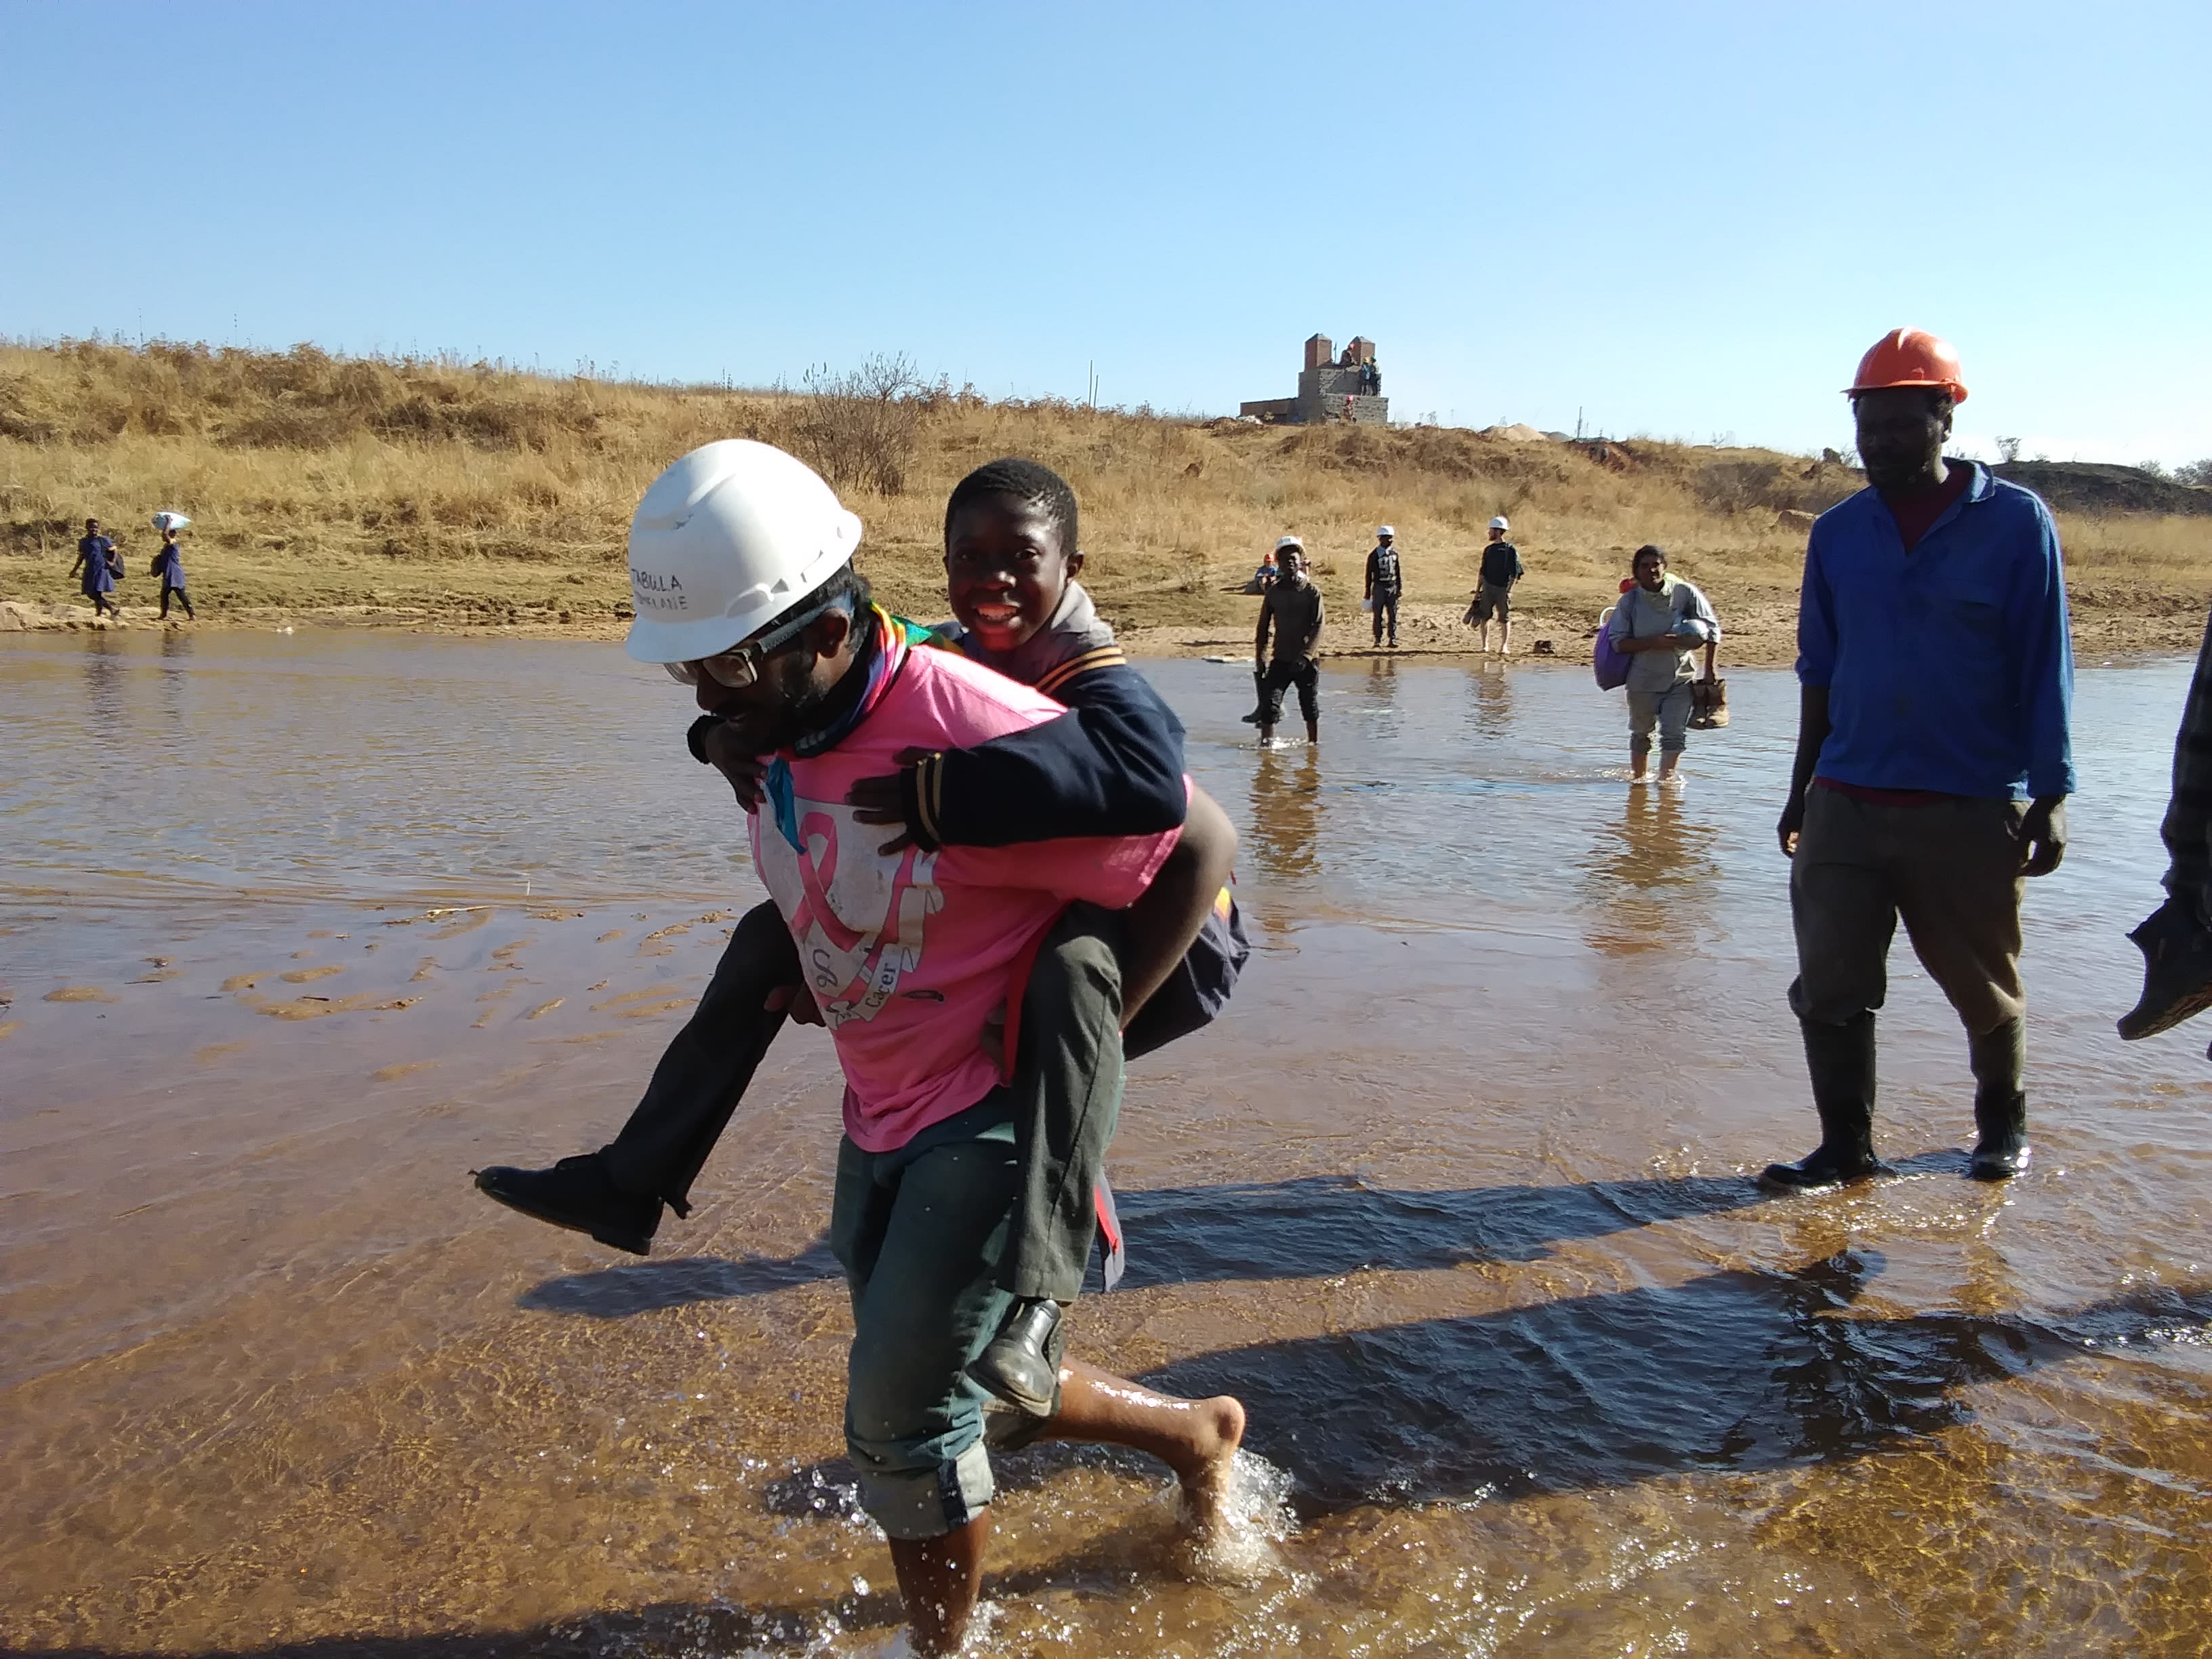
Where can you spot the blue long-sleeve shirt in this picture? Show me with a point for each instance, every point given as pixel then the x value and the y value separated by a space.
pixel 1948 668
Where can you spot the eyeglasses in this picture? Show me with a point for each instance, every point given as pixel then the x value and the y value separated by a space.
pixel 734 669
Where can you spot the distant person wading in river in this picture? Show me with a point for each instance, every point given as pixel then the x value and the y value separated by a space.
pixel 1292 610
pixel 1934 756
pixel 1659 622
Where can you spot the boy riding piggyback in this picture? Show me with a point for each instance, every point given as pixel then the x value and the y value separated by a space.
pixel 1110 765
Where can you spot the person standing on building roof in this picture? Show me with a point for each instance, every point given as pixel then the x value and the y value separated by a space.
pixel 1385 581
pixel 1294 610
pixel 1934 756
pixel 96 554
pixel 1501 568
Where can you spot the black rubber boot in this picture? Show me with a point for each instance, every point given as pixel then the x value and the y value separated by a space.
pixel 2000 1105
pixel 2176 951
pixel 1017 1367
pixel 577 1194
pixel 1840 1059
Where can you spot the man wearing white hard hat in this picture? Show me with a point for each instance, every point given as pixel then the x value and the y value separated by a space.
pixel 1293 611
pixel 1501 568
pixel 1385 581
pixel 740 567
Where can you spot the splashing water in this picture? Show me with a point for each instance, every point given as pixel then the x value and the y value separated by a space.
pixel 1255 1517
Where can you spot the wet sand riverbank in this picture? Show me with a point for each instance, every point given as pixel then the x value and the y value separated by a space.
pixel 295 931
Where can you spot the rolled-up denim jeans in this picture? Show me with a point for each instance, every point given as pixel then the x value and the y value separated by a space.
pixel 921 1233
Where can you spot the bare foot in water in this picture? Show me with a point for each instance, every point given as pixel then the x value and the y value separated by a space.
pixel 1207 1472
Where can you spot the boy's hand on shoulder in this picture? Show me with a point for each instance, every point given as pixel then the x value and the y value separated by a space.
pixel 883 800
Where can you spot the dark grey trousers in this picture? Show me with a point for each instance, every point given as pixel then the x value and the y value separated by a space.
pixel 1067 1088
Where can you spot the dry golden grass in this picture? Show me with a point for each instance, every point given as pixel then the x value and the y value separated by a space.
pixel 443 494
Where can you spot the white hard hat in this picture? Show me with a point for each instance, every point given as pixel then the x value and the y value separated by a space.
pixel 1498 523
pixel 1384 530
pixel 729 538
pixel 1290 541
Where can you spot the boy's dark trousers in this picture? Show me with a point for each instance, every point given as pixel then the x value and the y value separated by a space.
pixel 1067 1085
pixel 1282 674
pixel 699 1080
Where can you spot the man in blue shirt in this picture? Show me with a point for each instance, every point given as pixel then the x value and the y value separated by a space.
pixel 1933 755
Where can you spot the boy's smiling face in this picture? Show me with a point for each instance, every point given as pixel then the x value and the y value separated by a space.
pixel 1004 569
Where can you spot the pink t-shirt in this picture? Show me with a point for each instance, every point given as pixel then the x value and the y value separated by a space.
pixel 910 955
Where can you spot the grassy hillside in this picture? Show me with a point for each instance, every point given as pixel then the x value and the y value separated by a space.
pixel 439 493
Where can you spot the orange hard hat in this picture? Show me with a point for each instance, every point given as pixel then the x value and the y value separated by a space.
pixel 1909 357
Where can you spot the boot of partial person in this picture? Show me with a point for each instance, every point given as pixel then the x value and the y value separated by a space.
pixel 1840 1060
pixel 2176 951
pixel 577 1194
pixel 2000 1103
pixel 1017 1366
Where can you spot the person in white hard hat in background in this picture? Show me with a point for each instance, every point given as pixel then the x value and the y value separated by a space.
pixel 1501 568
pixel 740 561
pixel 1385 582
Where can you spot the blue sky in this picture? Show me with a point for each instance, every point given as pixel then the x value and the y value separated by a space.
pixel 1683 220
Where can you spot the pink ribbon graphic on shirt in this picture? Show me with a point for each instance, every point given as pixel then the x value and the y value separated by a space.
pixel 814 909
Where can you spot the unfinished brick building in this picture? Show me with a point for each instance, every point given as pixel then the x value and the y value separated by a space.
pixel 1330 388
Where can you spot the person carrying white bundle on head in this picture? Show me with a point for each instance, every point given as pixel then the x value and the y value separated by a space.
pixel 1659 622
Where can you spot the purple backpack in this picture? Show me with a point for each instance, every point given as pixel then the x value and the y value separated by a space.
pixel 1608 661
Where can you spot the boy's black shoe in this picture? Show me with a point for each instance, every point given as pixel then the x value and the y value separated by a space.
pixel 1016 1367
pixel 2177 971
pixel 577 1194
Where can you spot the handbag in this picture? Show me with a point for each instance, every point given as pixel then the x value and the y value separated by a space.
pixel 1608 661
pixel 1709 710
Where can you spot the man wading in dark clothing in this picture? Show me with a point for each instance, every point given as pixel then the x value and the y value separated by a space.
pixel 1384 583
pixel 1293 608
pixel 1932 757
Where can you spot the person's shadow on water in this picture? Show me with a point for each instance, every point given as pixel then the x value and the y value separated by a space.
pixel 1739 1370
pixel 1316 1227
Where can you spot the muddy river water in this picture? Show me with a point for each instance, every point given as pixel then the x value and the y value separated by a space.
pixel 295 931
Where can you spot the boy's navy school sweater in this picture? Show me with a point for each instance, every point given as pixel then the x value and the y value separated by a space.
pixel 1113 765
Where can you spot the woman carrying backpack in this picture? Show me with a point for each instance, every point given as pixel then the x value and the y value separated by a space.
pixel 1660 621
